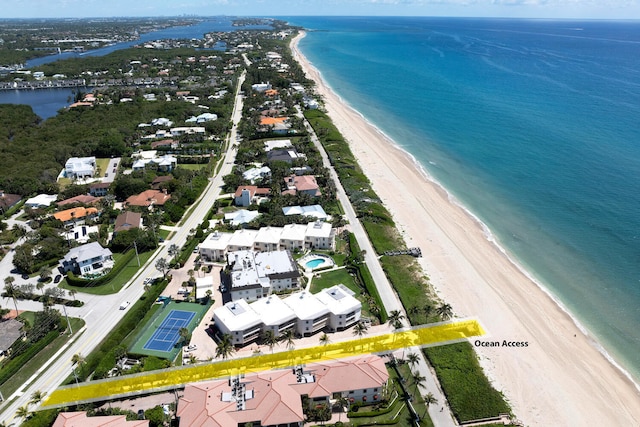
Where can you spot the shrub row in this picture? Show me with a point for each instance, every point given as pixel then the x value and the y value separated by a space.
pixel 73 280
pixel 15 364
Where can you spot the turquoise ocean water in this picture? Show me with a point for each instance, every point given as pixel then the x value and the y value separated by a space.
pixel 534 125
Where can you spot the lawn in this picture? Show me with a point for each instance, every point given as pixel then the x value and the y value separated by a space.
pixel 193 166
pixel 329 278
pixel 118 282
pixel 21 377
pixel 102 165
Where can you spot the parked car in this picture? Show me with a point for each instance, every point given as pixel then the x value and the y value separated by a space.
pixel 25 276
pixel 141 414
pixel 191 347
pixel 124 305
pixel 57 279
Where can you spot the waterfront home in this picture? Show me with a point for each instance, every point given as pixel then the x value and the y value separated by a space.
pixel 284 155
pixel 315 211
pixel 344 308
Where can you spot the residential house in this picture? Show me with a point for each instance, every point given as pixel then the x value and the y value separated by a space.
pixel 127 221
pixel 76 216
pixel 165 163
pixel 10 331
pixel 276 144
pixel 80 167
pixel 41 201
pixel 276 125
pixel 148 198
pixel 186 130
pixel 85 199
pixel 202 118
pixel 214 247
pixel 254 174
pixel 288 156
pixel 304 184
pixel 7 201
pixel 157 182
pixel 75 419
pixel 90 258
pixel 81 233
pixel 241 216
pixel 261 87
pixel 247 195
pixel 315 211
pixel 99 189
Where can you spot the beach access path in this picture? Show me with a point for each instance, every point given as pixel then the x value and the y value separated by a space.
pixel 561 377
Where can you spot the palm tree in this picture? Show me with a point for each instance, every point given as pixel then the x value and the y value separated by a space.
pixel 429 399
pixel 40 286
pixel 360 329
pixel 192 279
pixel 11 291
pixel 324 339
pixel 184 335
pixel 45 274
pixel 270 339
pixel 418 380
pixel 341 402
pixel 395 319
pixel 23 412
pixel 427 310
pixel 192 359
pixel 288 336
pixel 73 293
pixel 445 311
pixel 413 359
pixel 77 359
pixel 36 397
pixel 225 347
pixel 173 251
pixel 162 266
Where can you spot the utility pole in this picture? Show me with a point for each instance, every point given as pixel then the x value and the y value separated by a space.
pixel 135 245
pixel 64 308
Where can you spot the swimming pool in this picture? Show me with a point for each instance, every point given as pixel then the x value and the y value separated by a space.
pixel 312 262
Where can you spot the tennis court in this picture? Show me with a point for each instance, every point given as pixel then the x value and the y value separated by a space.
pixel 161 332
pixel 167 334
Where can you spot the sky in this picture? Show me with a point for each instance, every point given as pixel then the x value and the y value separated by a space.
pixel 577 9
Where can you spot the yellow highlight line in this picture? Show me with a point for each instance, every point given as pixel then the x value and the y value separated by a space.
pixel 422 336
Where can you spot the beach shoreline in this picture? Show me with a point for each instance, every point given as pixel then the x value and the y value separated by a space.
pixel 563 376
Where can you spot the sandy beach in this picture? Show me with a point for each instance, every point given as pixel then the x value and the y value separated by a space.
pixel 560 378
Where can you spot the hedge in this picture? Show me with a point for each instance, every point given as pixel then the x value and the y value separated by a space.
pixel 15 364
pixel 117 268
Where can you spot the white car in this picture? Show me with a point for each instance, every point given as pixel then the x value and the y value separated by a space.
pixel 191 347
pixel 124 305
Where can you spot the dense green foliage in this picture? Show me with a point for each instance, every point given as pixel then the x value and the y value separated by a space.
pixel 468 391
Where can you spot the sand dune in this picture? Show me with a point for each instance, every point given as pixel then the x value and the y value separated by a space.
pixel 560 378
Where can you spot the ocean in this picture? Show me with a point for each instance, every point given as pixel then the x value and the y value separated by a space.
pixel 531 124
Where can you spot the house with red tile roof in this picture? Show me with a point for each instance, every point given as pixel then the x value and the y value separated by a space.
pixel 127 221
pixel 304 184
pixel 77 419
pixel 75 216
pixel 274 398
pixel 148 198
pixel 85 199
